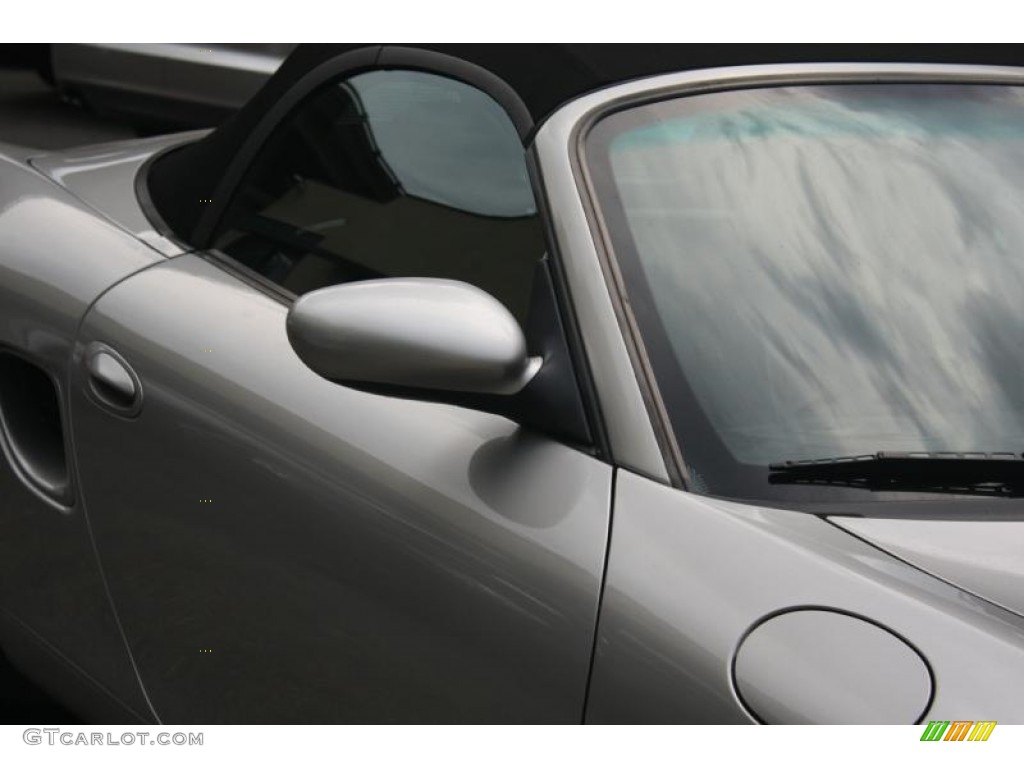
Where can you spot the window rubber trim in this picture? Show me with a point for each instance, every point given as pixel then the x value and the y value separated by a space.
pixel 248 276
pixel 665 438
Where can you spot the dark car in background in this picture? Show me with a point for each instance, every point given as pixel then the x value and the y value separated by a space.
pixel 162 85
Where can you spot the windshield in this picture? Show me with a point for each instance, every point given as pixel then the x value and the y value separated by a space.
pixel 823 271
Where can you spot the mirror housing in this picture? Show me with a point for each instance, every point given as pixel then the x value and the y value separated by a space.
pixel 412 333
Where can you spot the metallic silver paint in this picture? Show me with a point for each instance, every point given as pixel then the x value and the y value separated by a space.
pixel 689 576
pixel 424 333
pixel 837 667
pixel 112 382
pixel 56 258
pixel 984 557
pixel 103 176
pixel 360 558
pixel 16 153
pixel 104 368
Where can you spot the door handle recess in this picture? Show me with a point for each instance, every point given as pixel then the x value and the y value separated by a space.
pixel 32 428
pixel 112 382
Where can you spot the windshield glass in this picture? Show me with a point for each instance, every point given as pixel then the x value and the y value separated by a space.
pixel 823 271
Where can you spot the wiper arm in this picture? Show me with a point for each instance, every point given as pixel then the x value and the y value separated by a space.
pixel 944 470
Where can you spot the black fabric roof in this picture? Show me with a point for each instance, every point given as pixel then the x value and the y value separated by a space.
pixel 543 77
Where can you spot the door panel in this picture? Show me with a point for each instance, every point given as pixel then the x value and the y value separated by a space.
pixel 284 549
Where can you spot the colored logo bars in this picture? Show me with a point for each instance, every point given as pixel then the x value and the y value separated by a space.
pixel 958 730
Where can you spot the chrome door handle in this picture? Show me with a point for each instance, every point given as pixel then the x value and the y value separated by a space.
pixel 112 382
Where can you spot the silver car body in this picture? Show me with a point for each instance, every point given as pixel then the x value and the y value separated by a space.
pixel 265 545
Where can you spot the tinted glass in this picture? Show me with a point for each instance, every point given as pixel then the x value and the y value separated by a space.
pixel 824 271
pixel 389 174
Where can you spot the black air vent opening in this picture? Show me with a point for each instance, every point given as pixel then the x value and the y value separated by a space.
pixel 30 417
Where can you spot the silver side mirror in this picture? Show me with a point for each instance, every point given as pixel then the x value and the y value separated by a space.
pixel 417 333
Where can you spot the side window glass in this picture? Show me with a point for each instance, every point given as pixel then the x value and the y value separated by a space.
pixel 390 174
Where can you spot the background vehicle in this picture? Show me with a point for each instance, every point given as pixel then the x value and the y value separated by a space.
pixel 381 401
pixel 169 85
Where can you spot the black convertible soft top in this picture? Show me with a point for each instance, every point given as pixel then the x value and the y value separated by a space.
pixel 537 78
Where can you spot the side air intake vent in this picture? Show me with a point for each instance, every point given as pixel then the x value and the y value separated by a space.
pixel 31 429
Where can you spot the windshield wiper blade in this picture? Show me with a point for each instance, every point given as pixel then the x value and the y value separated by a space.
pixel 907 470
